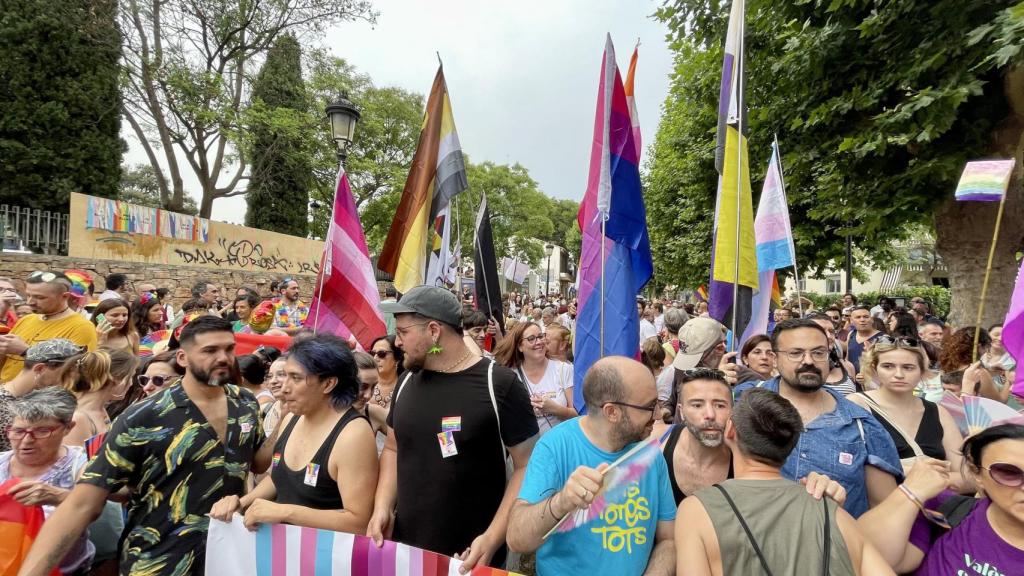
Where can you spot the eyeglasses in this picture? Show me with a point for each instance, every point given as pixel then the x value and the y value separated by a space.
pixel 401 331
pixel 900 341
pixel 382 354
pixel 7 289
pixel 649 408
pixel 796 354
pixel 534 338
pixel 1006 474
pixel 36 433
pixel 158 381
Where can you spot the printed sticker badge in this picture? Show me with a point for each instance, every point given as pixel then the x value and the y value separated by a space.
pixel 312 470
pixel 845 458
pixel 447 442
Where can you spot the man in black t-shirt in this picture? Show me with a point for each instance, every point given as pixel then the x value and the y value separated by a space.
pixel 442 480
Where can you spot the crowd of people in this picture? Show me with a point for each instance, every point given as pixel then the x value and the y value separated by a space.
pixel 817 447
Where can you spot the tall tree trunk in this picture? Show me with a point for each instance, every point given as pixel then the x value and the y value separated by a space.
pixel 964 229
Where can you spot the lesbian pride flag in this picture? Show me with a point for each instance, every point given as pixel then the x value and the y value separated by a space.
pixel 283 550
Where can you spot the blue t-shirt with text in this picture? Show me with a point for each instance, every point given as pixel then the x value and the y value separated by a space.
pixel 621 540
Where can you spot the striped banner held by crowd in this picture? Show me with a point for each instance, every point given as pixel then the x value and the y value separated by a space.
pixel 283 550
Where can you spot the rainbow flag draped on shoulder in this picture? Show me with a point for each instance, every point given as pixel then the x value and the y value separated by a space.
pixel 734 197
pixel 437 174
pixel 621 251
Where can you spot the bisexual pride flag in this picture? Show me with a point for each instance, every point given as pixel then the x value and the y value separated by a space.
pixel 283 550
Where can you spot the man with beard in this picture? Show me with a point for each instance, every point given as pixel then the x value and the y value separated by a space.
pixel 695 452
pixel 290 313
pixel 840 439
pixel 178 452
pixel 565 474
pixel 442 482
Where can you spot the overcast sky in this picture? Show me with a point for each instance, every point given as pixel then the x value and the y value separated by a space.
pixel 522 75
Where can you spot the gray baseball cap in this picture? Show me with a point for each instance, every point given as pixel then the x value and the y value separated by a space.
pixel 53 350
pixel 430 302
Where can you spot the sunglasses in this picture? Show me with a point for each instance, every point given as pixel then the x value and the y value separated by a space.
pixel 1005 474
pixel 889 340
pixel 158 381
pixel 42 276
pixel 382 354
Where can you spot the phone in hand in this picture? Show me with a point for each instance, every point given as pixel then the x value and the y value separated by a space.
pixel 100 319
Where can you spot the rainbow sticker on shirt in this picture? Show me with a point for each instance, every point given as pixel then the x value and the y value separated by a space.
pixel 276 460
pixel 451 424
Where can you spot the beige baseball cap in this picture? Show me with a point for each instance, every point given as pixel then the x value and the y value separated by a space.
pixel 696 337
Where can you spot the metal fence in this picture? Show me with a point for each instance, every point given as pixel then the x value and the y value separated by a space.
pixel 28 230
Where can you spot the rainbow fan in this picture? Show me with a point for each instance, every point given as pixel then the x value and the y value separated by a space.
pixel 149 341
pixel 617 477
pixel 973 414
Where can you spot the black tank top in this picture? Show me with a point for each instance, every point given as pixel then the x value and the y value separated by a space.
pixel 291 485
pixel 928 437
pixel 668 451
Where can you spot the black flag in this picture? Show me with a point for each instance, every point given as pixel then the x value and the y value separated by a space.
pixel 485 264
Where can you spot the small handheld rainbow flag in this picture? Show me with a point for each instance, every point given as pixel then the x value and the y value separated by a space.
pixel 985 180
pixel 973 414
pixel 702 293
pixel 617 477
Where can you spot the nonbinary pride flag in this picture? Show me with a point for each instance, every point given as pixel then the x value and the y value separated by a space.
pixel 346 299
pixel 283 550
pixel 438 172
pixel 613 196
pixel 985 180
pixel 733 168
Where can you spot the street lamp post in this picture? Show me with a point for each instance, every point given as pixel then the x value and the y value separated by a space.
pixel 548 249
pixel 344 116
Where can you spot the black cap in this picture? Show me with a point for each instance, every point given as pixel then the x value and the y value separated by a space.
pixel 430 302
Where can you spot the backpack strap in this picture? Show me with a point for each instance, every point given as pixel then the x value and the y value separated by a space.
pixel 401 386
pixel 494 404
pixel 827 547
pixel 743 523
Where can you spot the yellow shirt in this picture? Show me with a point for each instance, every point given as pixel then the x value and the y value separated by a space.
pixel 33 330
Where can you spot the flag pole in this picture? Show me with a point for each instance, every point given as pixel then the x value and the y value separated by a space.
pixel 988 271
pixel 327 246
pixel 739 178
pixel 458 244
pixel 782 184
pixel 603 219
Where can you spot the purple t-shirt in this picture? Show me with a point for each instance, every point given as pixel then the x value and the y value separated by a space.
pixel 970 549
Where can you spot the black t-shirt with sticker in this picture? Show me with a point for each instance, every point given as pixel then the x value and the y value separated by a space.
pixel 444 502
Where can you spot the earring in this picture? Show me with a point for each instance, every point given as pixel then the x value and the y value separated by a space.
pixel 435 348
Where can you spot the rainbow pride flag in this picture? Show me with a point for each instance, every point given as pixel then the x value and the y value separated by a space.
pixel 283 550
pixel 985 180
pixel 19 526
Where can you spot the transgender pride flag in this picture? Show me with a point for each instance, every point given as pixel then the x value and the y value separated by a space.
pixel 282 550
pixel 774 244
pixel 607 323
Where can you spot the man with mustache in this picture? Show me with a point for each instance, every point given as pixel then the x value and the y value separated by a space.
pixel 695 451
pixel 179 452
pixel 840 439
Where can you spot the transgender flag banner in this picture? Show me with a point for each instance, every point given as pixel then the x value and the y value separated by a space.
pixel 283 550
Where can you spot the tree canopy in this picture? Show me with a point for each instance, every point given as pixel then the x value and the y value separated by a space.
pixel 877 106
pixel 59 101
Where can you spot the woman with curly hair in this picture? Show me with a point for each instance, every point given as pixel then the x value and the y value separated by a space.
pixel 148 314
pixel 956 357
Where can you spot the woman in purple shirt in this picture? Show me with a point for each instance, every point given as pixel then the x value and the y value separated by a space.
pixel 908 530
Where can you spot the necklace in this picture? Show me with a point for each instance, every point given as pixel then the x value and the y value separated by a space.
pixel 55 314
pixel 379 399
pixel 461 360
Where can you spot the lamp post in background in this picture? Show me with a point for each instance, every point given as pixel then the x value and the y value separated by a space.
pixel 344 116
pixel 548 249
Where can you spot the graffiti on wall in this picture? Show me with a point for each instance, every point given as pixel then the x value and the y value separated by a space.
pixel 244 254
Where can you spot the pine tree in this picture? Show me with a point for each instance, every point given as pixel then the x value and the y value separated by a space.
pixel 281 175
pixel 60 101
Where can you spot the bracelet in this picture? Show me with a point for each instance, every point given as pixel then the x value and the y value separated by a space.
pixel 551 507
pixel 911 496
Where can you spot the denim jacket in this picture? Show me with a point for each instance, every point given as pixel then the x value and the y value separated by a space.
pixel 839 444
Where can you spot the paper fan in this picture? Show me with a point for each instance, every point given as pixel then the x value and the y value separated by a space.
pixel 975 413
pixel 152 339
pixel 618 476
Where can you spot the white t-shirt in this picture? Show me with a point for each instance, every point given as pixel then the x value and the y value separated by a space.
pixel 557 378
pixel 647 329
pixel 664 381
